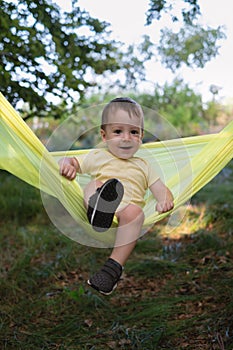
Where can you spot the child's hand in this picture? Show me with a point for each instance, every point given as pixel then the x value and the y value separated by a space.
pixel 163 196
pixel 68 167
pixel 163 207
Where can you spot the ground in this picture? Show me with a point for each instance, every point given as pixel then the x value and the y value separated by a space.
pixel 175 293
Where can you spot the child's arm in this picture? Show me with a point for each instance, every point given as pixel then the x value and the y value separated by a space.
pixel 163 196
pixel 69 167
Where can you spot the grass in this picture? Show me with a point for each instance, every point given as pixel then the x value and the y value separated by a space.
pixel 176 291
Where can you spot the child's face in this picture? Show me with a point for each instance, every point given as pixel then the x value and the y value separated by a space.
pixel 123 134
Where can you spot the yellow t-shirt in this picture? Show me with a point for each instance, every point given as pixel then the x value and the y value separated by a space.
pixel 135 173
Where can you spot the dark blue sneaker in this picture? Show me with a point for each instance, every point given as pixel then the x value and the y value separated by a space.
pixel 105 280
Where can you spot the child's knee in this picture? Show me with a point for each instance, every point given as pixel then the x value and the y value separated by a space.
pixel 131 214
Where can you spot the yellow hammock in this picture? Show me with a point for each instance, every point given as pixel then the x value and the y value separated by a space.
pixel 185 165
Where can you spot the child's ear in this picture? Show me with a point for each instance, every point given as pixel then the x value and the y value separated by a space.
pixel 103 135
pixel 142 134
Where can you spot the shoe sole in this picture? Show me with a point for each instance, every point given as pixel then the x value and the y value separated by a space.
pixel 100 291
pixel 103 204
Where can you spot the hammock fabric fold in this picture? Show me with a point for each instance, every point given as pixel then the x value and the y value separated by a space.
pixel 185 165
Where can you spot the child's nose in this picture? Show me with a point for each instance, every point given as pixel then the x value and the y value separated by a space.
pixel 126 136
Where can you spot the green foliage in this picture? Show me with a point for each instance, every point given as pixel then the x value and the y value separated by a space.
pixel 47 52
pixel 172 106
pixel 190 10
pixel 216 113
pixel 193 46
pixel 179 104
pixel 22 200
pixel 220 203
pixel 44 52
pixel 212 111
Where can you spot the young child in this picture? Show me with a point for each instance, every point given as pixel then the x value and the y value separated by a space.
pixel 119 183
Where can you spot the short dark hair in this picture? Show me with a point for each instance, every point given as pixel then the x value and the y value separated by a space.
pixel 126 104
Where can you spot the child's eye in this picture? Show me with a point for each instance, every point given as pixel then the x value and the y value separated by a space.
pixel 117 131
pixel 134 132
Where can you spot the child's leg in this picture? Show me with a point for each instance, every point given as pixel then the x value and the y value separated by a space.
pixel 130 221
